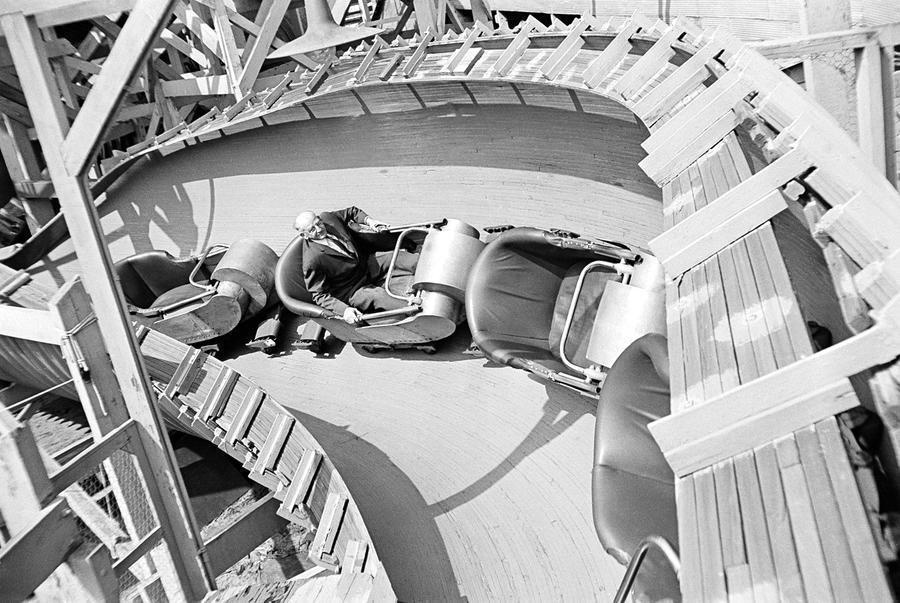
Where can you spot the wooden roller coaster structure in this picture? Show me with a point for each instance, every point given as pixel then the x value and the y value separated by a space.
pixel 757 180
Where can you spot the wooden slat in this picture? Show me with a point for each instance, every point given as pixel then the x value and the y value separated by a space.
pixel 835 547
pixel 725 355
pixel 731 532
pixel 601 67
pixel 687 77
pixel 677 381
pixel 759 553
pixel 650 63
pixel 511 54
pixel 691 344
pixel 689 539
pixel 273 445
pixel 873 586
pixel 680 151
pixel 770 302
pixel 185 372
pixel 241 422
pixel 418 55
pixel 711 104
pixel 218 394
pixel 778 520
pixel 377 44
pixel 565 51
pixel 326 532
pixel 301 482
pixel 713 570
pixel 456 58
pixel 754 309
pixel 803 524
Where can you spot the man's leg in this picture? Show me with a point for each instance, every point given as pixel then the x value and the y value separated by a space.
pixel 374 299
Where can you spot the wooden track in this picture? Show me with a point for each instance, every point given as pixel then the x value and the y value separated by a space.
pixel 727 133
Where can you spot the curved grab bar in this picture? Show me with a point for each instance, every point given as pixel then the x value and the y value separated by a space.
pixel 390 271
pixel 623 269
pixel 200 263
pixel 638 558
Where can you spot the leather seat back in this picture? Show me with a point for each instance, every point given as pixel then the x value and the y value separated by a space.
pixel 291 286
pixel 147 275
pixel 633 486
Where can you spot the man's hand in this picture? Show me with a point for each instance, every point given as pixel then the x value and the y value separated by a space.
pixel 377 224
pixel 352 316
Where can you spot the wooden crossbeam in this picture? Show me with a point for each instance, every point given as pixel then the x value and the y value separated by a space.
pixel 48 13
pixel 729 217
pixel 256 524
pixel 26 323
pixel 778 391
pixel 689 75
pixel 567 49
pixel 418 55
pixel 175 41
pixel 377 44
pixel 88 460
pixel 301 482
pixel 517 47
pixel 479 30
pixel 31 556
pixel 142 26
pixel 218 394
pixel 326 532
pixel 246 411
pixel 273 445
pixel 612 55
pixel 650 63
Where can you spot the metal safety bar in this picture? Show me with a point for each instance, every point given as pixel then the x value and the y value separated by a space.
pixel 623 269
pixel 390 272
pixel 207 289
pixel 638 558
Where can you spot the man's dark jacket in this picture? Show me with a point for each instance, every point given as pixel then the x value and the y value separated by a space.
pixel 332 277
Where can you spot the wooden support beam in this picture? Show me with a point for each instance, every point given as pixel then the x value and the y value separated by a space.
pixel 813 44
pixel 22 164
pixel 25 323
pixel 253 62
pixel 75 199
pixel 231 56
pixel 255 525
pixel 86 462
pixel 106 412
pixel 779 390
pixel 48 13
pixel 35 551
pixel 650 63
pixel 141 28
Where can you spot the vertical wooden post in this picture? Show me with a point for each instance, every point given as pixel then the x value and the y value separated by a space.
pixel 824 81
pixel 29 56
pixel 105 410
pixel 887 39
pixel 870 104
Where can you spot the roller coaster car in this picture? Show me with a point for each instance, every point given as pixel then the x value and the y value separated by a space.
pixel 203 297
pixel 633 487
pixel 434 295
pixel 561 306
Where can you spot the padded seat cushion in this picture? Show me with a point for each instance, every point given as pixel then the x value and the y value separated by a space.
pixel 633 486
pixel 146 276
